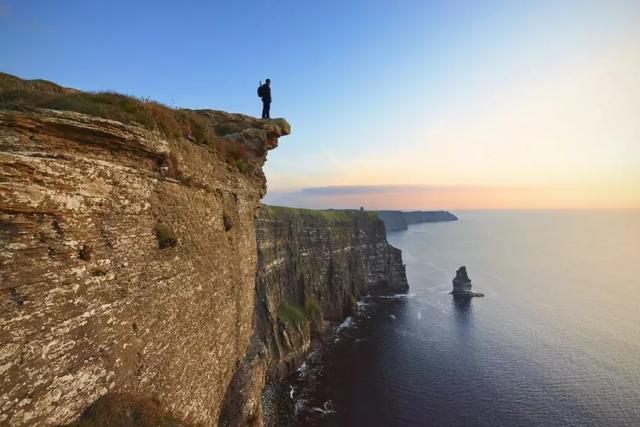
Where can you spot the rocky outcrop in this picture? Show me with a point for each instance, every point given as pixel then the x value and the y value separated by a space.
pixel 312 268
pixel 399 220
pixel 462 285
pixel 393 220
pixel 128 263
pixel 418 217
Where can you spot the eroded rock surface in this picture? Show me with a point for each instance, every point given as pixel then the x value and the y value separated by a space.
pixel 462 285
pixel 140 283
pixel 312 267
pixel 127 264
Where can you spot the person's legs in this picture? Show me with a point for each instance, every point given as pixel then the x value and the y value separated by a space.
pixel 267 106
pixel 265 110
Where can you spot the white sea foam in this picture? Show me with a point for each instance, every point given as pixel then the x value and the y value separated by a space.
pixel 396 296
pixel 302 368
pixel 327 408
pixel 364 303
pixel 348 322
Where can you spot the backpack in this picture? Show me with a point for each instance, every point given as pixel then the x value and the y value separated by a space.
pixel 261 91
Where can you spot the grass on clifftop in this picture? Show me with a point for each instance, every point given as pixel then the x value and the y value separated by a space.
pixel 25 95
pixel 328 215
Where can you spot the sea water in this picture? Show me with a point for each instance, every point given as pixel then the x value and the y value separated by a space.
pixel 555 341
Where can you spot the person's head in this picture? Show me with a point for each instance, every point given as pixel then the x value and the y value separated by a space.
pixel 268 82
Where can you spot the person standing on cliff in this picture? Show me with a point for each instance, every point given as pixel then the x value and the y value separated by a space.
pixel 264 91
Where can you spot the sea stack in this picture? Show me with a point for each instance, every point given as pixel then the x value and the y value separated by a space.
pixel 462 285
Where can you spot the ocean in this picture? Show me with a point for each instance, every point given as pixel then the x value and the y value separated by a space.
pixel 554 342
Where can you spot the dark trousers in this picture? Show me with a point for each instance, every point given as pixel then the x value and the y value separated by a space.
pixel 266 106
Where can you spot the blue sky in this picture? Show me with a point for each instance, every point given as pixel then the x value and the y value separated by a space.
pixel 371 88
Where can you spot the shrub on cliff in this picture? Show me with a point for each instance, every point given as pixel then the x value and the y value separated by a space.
pixel 237 156
pixel 291 313
pixel 314 313
pixel 312 309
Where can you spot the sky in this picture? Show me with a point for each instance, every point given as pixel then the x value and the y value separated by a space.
pixel 394 104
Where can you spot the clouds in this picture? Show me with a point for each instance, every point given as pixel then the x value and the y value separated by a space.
pixel 453 197
pixel 336 190
pixel 392 196
pixel 565 134
pixel 475 100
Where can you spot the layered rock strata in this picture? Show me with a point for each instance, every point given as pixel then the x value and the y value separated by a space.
pixel 127 263
pixel 140 283
pixel 312 267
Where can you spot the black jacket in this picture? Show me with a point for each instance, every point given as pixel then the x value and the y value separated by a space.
pixel 266 97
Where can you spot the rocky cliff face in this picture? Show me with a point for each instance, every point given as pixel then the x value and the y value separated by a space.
pixel 140 282
pixel 418 217
pixel 312 267
pixel 462 285
pixel 128 263
pixel 393 220
pixel 399 220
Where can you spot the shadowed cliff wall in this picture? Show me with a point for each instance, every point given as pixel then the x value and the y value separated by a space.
pixel 312 267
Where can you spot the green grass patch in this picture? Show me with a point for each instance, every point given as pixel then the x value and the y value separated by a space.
pixel 291 313
pixel 327 215
pixel 241 164
pixel 312 309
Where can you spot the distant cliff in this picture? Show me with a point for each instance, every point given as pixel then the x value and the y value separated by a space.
pixel 313 266
pixel 399 220
pixel 393 220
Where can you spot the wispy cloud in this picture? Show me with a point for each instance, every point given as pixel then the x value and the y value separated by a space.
pixel 392 196
pixel 384 189
pixel 568 130
pixel 450 197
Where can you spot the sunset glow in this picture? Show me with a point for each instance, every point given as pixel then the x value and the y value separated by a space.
pixel 503 104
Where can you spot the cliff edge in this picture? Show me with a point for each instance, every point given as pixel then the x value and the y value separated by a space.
pixel 127 251
pixel 142 282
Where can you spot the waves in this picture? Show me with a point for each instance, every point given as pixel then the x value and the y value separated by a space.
pixel 551 344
